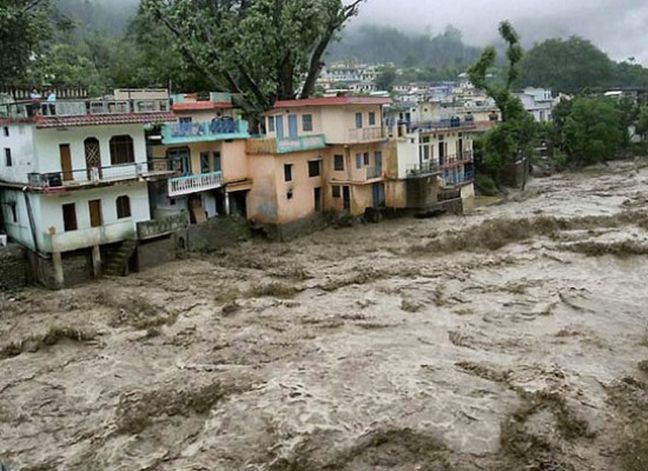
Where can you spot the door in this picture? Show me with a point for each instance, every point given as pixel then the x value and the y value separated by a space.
pixel 460 149
pixel 378 191
pixel 292 126
pixel 280 127
pixel 346 197
pixel 317 196
pixel 441 153
pixel 66 162
pixel 180 160
pixel 92 157
pixel 378 160
pixel 95 213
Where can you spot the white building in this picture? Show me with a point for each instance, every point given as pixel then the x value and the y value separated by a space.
pixel 538 102
pixel 73 181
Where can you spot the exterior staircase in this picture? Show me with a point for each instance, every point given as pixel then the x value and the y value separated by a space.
pixel 117 263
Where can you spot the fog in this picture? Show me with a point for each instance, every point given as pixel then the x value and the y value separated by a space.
pixel 616 26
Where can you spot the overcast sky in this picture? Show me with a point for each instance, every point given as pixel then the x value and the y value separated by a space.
pixel 619 27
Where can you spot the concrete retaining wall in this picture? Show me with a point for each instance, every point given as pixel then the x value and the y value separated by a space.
pixel 15 271
pixel 216 234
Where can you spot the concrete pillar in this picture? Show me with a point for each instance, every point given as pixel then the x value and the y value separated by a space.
pixel 57 261
pixel 227 204
pixel 96 261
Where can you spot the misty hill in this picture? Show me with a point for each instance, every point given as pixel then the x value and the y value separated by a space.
pixel 88 16
pixel 382 44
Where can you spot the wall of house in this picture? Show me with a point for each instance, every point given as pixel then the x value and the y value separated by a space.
pixel 302 203
pixel 450 140
pixel 351 172
pixel 396 194
pixel 361 199
pixel 47 141
pixel 50 226
pixel 21 146
pixel 262 198
pixel 339 123
pixel 200 116
pixel 315 112
pixel 404 155
pixel 19 230
pixel 234 161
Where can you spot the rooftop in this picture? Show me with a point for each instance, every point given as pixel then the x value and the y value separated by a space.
pixel 333 101
pixel 202 106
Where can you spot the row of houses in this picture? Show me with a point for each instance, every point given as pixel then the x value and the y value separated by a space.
pixel 90 187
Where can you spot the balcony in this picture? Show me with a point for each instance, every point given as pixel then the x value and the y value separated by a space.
pixel 457 159
pixel 89 237
pixel 374 172
pixel 375 133
pixel 102 107
pixel 163 226
pixel 195 183
pixel 94 176
pixel 215 130
pixel 286 145
pixel 424 169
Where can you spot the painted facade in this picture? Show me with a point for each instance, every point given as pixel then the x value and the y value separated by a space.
pixel 73 178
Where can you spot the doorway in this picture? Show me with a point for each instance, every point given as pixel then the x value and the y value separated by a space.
pixel 441 153
pixel 180 160
pixel 279 126
pixel 66 162
pixel 378 193
pixel 292 126
pixel 95 213
pixel 317 196
pixel 92 157
pixel 346 197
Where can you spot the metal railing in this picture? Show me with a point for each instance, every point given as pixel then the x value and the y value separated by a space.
pixel 102 107
pixel 374 172
pixel 194 183
pixel 87 176
pixel 366 134
pixel 429 167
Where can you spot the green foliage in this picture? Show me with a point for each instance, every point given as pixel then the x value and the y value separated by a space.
pixel 24 25
pixel 386 78
pixel 260 50
pixel 486 185
pixel 515 135
pixel 642 122
pixel 383 44
pixel 567 66
pixel 592 132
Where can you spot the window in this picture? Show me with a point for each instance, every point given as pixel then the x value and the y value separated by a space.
pixel 8 161
pixel 289 195
pixel 123 207
pixel 121 150
pixel 365 158
pixel 317 198
pixel 271 124
pixel 358 120
pixel 372 119
pixel 95 213
pixel 69 217
pixel 288 173
pixel 314 168
pixel 336 191
pixel 186 120
pixel 358 160
pixel 218 167
pixel 6 131
pixel 307 122
pixel 426 152
pixel 338 162
pixel 205 166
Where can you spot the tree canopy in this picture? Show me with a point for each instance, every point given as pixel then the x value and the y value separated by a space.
pixel 261 50
pixel 592 132
pixel 24 24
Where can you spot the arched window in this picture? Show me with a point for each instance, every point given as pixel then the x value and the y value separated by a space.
pixel 121 150
pixel 123 207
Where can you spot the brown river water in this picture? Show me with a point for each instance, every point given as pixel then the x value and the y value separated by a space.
pixel 513 338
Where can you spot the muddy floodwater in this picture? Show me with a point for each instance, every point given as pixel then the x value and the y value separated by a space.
pixel 514 338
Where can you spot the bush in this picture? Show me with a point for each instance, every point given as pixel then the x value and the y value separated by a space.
pixel 486 185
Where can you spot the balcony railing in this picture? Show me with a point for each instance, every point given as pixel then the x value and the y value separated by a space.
pixel 102 107
pixel 195 183
pixel 366 134
pixel 457 159
pixel 92 176
pixel 217 129
pixel 163 226
pixel 374 172
pixel 429 167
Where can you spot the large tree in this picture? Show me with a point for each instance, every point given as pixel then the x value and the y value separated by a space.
pixel 592 132
pixel 24 24
pixel 262 50
pixel 512 138
pixel 568 66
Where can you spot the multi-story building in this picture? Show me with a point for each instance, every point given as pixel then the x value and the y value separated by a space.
pixel 538 102
pixel 73 179
pixel 205 147
pixel 318 154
